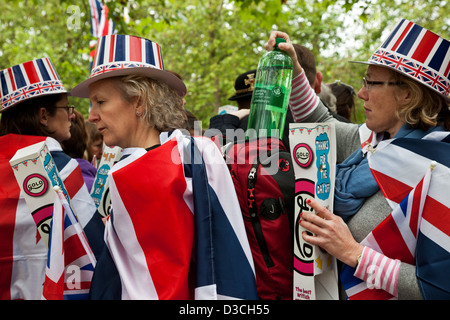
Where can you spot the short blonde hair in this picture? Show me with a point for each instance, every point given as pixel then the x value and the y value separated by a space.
pixel 163 106
pixel 422 110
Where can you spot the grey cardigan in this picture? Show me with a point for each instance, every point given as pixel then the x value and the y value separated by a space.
pixel 375 209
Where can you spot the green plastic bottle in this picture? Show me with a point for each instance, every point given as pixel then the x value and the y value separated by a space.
pixel 271 94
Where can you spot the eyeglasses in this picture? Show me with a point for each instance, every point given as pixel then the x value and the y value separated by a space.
pixel 368 84
pixel 68 108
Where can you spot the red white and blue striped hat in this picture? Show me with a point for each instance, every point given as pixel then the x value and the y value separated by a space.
pixel 120 55
pixel 418 53
pixel 28 80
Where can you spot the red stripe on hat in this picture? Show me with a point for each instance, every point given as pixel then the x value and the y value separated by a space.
pixel 11 78
pixel 158 49
pixel 402 36
pixel 111 48
pixel 30 70
pixel 95 54
pixel 135 49
pixel 446 73
pixel 50 66
pixel 426 45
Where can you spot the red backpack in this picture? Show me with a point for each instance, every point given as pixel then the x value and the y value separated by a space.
pixel 263 177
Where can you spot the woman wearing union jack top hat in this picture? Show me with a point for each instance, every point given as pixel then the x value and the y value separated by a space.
pixel 391 222
pixel 34 108
pixel 174 231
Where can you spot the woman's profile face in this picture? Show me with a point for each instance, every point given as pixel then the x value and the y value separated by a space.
pixel 61 122
pixel 115 118
pixel 96 148
pixel 380 103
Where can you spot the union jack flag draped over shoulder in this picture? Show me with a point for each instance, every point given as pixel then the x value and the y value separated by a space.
pixel 180 218
pixel 417 231
pixel 23 255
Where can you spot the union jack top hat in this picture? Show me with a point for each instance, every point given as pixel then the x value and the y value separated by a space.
pixel 28 80
pixel 418 53
pixel 120 55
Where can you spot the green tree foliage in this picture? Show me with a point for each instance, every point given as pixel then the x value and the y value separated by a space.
pixel 210 42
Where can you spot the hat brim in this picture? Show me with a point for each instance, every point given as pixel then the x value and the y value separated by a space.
pixel 411 77
pixel 82 89
pixel 35 97
pixel 241 96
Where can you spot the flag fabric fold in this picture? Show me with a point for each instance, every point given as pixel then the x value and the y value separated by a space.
pixel 223 259
pixel 178 224
pixel 101 24
pixel 70 261
pixel 417 231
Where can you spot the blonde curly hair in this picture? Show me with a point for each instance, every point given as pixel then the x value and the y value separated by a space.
pixel 423 109
pixel 163 107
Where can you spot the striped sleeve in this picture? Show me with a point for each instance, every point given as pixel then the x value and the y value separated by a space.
pixel 378 271
pixel 303 99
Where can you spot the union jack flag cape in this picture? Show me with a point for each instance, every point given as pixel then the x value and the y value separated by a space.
pixel 70 262
pixel 417 231
pixel 23 256
pixel 175 219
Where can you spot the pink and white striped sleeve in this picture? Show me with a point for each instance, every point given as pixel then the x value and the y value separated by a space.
pixel 303 99
pixel 378 271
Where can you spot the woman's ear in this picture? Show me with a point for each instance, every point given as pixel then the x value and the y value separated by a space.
pixel 406 95
pixel 43 116
pixel 139 106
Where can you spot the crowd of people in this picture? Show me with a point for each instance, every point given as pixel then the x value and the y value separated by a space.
pixel 176 230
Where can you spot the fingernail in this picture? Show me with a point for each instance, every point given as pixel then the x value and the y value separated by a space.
pixel 308 201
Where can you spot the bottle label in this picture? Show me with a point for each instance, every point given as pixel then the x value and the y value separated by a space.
pixel 272 98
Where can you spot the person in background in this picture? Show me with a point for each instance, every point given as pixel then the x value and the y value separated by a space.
pixel 191 123
pixel 402 109
pixel 94 146
pixel 345 98
pixel 76 147
pixel 35 108
pixel 328 98
pixel 243 85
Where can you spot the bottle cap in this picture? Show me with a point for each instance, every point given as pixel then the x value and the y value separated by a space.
pixel 279 40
